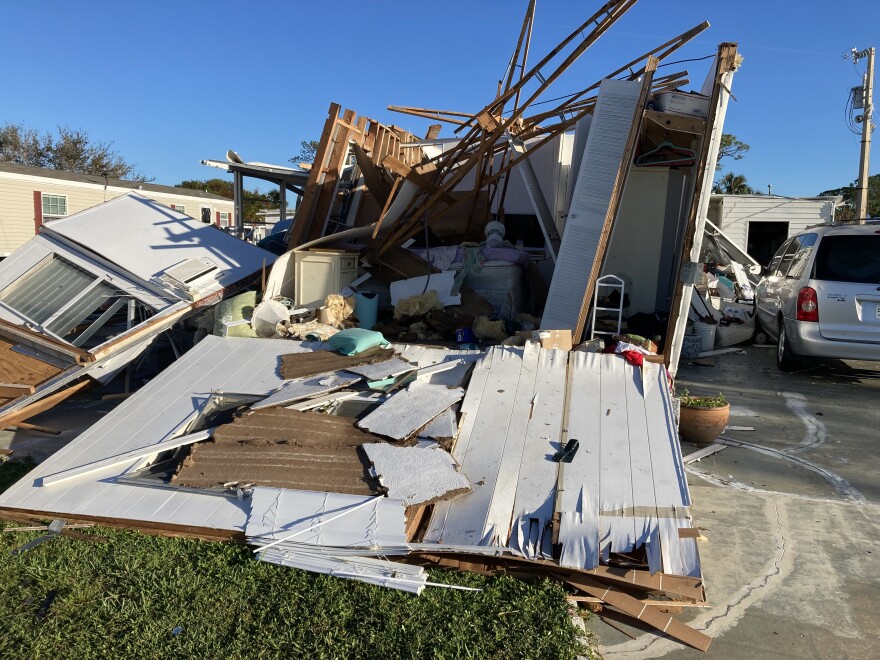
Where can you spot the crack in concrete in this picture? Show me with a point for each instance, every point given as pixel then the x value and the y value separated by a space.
pixel 722 618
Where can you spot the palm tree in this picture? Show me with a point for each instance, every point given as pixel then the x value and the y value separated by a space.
pixel 733 184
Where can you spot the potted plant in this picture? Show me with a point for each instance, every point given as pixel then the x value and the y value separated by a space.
pixel 703 418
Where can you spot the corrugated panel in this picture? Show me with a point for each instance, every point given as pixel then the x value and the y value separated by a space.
pixel 325 519
pixel 606 142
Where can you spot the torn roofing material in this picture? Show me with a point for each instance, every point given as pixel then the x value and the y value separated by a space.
pixel 286 449
pixel 415 475
pixel 410 410
pixel 301 365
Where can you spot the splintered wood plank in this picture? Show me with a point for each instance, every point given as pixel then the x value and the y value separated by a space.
pixel 580 496
pixel 410 410
pixel 638 609
pixel 22 414
pixel 467 522
pixel 536 491
pixel 680 556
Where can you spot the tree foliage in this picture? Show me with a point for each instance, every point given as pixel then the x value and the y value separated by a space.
pixel 308 149
pixel 733 184
pixel 254 200
pixel 847 210
pixel 70 150
pixel 731 148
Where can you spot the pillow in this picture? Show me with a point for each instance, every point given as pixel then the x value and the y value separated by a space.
pixel 356 340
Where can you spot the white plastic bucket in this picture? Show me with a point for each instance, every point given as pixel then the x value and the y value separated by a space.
pixel 707 334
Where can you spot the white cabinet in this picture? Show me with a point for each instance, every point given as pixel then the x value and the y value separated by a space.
pixel 320 273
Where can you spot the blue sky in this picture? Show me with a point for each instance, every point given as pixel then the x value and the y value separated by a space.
pixel 171 83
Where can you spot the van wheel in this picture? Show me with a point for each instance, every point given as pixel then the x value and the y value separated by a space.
pixel 786 360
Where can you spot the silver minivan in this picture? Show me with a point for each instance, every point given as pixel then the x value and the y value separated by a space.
pixel 820 295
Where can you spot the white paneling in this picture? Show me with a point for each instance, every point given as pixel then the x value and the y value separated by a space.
pixel 603 155
pixel 536 488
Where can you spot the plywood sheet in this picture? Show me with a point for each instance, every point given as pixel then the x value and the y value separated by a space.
pixel 23 369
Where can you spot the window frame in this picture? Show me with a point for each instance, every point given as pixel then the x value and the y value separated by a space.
pixel 227 222
pixel 44 197
pixel 180 208
pixel 202 210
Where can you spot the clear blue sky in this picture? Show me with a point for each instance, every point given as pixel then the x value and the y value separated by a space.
pixel 172 83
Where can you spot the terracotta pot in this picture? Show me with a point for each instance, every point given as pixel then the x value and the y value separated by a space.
pixel 703 425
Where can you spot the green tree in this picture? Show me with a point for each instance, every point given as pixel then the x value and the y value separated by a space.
pixel 308 149
pixel 733 184
pixel 731 148
pixel 71 150
pixel 847 210
pixel 254 200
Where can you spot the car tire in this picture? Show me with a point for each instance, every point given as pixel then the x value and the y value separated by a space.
pixel 786 359
pixel 760 337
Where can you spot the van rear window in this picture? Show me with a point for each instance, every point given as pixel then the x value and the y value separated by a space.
pixel 853 258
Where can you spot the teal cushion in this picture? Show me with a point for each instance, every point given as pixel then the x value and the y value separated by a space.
pixel 356 340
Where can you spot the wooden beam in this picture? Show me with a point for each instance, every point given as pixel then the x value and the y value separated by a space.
pixel 303 216
pixel 639 610
pixel 420 180
pixel 332 174
pixel 14 390
pixel 16 416
pixel 433 131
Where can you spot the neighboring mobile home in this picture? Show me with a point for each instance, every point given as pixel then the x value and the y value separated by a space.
pixel 30 196
pixel 759 224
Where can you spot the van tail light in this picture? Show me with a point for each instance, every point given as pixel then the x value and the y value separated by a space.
pixel 807 305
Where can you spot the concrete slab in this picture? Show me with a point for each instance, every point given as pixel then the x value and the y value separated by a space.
pixel 791 562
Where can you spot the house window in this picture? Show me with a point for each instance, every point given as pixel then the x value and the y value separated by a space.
pixel 224 219
pixel 206 215
pixel 179 208
pixel 54 205
pixel 57 295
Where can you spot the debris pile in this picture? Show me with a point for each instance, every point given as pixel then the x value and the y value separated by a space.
pixel 461 360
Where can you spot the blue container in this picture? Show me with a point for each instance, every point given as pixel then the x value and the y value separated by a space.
pixel 367 309
pixel 465 336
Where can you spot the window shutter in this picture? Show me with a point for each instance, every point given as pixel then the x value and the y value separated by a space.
pixel 38 211
pixel 217 220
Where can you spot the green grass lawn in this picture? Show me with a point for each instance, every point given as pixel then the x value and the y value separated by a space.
pixel 144 596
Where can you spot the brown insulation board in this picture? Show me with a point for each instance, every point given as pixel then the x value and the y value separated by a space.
pixel 284 449
pixel 301 365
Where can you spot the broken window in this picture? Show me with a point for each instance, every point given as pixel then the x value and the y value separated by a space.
pixel 61 298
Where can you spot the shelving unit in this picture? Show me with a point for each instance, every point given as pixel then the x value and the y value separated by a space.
pixel 607 282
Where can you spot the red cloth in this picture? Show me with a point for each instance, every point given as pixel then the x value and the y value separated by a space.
pixel 635 358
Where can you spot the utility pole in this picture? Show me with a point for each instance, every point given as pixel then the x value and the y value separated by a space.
pixel 867 126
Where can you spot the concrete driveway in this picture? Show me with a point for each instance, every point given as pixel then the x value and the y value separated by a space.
pixel 791 516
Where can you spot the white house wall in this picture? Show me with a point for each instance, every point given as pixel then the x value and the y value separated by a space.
pixel 737 211
pixel 17 203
